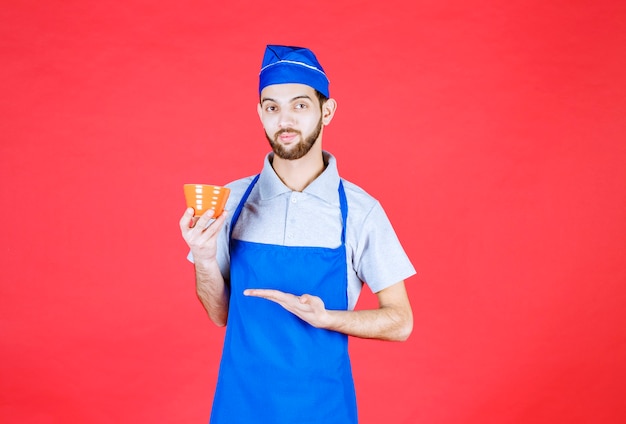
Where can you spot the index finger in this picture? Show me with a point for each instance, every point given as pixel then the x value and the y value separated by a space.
pixel 205 219
pixel 186 220
pixel 270 294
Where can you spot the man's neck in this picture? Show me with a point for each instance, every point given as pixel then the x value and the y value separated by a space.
pixel 299 173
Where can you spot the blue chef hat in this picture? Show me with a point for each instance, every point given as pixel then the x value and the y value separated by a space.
pixel 286 64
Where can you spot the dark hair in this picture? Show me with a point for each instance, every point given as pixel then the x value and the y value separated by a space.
pixel 321 97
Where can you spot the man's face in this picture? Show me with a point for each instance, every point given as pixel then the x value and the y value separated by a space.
pixel 292 119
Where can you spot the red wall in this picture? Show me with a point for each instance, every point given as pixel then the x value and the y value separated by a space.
pixel 492 132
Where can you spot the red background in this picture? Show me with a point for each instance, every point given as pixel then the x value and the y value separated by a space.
pixel 492 132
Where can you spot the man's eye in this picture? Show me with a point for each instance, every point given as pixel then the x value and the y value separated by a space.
pixel 271 108
pixel 301 106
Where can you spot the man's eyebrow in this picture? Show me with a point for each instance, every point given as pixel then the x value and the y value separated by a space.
pixel 269 99
pixel 304 96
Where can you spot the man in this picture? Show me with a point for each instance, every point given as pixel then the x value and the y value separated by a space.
pixel 285 270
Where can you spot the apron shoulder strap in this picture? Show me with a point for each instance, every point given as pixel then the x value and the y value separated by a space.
pixel 240 206
pixel 343 204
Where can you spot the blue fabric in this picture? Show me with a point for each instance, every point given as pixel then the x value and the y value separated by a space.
pixel 275 367
pixel 288 64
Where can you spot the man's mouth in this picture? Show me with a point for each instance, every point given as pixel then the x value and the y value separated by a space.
pixel 287 136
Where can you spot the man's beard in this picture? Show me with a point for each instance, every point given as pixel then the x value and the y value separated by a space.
pixel 300 149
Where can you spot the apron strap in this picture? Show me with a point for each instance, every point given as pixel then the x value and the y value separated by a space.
pixel 343 204
pixel 240 206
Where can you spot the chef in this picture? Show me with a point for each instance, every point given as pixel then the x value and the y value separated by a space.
pixel 283 267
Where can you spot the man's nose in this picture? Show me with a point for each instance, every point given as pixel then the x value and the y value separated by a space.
pixel 286 119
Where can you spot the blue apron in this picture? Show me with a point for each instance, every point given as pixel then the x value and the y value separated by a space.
pixel 276 368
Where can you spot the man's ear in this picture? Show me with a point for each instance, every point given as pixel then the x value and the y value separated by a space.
pixel 259 109
pixel 328 111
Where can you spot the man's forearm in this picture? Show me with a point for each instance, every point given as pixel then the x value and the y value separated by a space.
pixel 386 323
pixel 212 292
pixel 393 320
